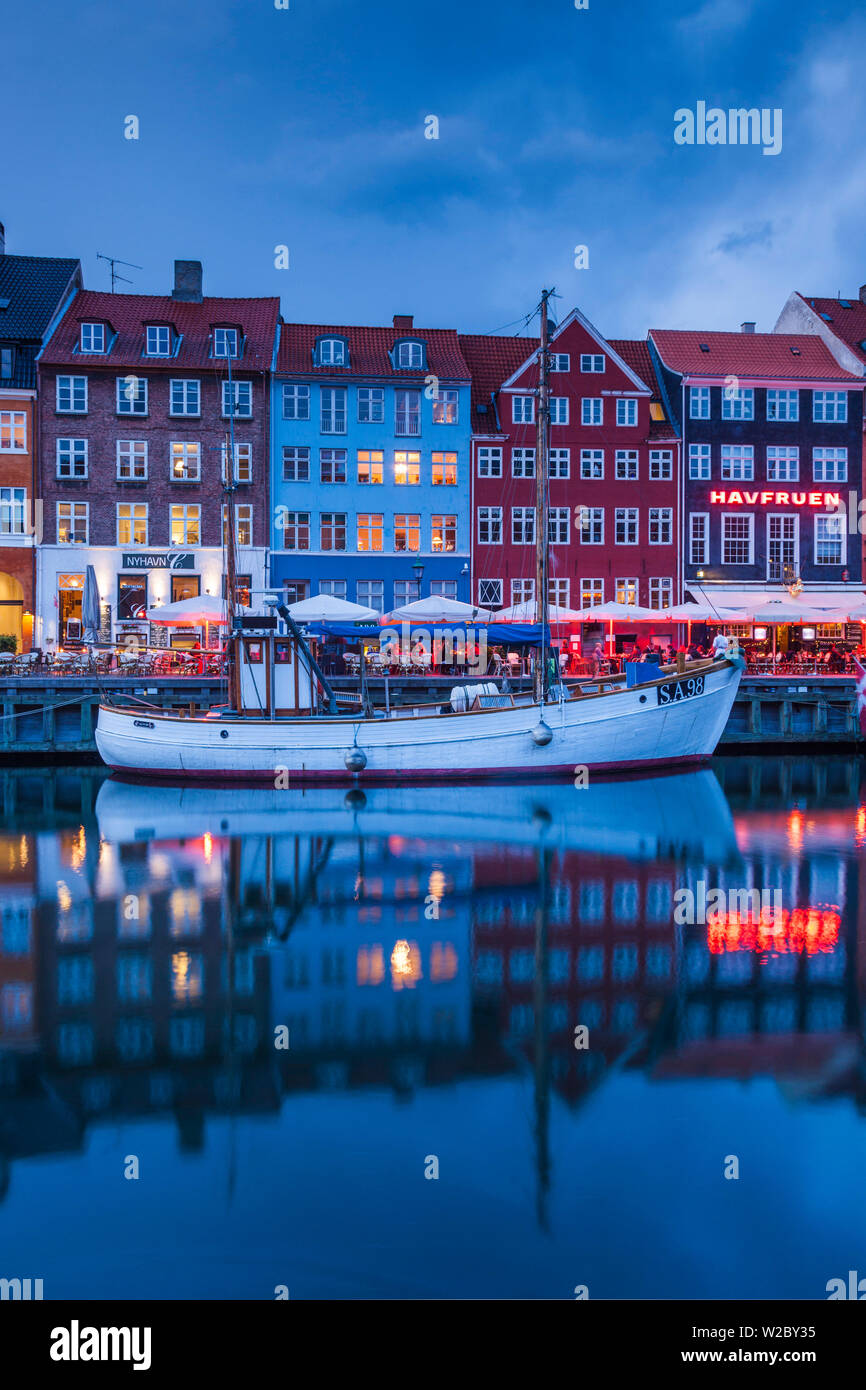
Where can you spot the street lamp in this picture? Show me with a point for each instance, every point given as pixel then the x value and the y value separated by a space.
pixel 418 571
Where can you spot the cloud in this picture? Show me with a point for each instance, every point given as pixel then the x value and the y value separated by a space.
pixel 715 18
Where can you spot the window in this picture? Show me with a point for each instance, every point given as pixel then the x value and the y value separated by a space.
pixel 72 458
pixel 445 406
pixel 157 340
pixel 489 525
pixel 625 464
pixel 590 362
pixel 406 591
pixel 591 593
pixel 371 405
pixel 93 337
pixel 699 403
pixel 830 406
pixel 783 546
pixel 407 412
pixel 296 464
pixel 332 465
pixel 559 463
pixel 591 525
pixel 626 412
pixel 407 468
pixel 783 405
pixel 332 352
pixel 185 397
pixel 783 465
pixel 243 463
pixel 829 540
pixel 661 525
pixel 592 463
pixel 699 538
pixel 184 523
pixel 131 460
pixel 296 401
pixel 661 465
pixel 335 587
pixel 74 980
pixel 443 588
pixel 296 530
pixel 523 526
pixel 444 534
pixel 699 461
pixel 7 363
pixel 241 392
pixel 592 410
pixel 369 536
pixel 625 591
pixel 72 395
pixel 559 410
pixel 522 410
pixel 333 410
pixel 132 523
pixel 490 593
pixel 661 593
pixel 243 532
pixel 558 592
pixel 738 462
pixel 625 526
pixel 444 470
pixel 371 593
pixel 407 531
pixel 131 395
pixel 489 461
pixel 559 525
pixel 72 523
pixel 371 465
pixel 185 461
pixel 12 504
pixel 738 404
pixel 225 342
pixel 737 538
pixel 830 465
pixel 410 355
pixel 332 530
pixel 523 463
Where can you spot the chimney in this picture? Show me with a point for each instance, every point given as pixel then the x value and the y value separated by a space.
pixel 747 328
pixel 2 240
pixel 404 322
pixel 862 294
pixel 187 282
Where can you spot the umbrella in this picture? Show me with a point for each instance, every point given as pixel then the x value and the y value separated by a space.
pixel 704 613
pixel 90 606
pixel 614 612
pixel 437 609
pixel 324 608
pixel 190 612
pixel 778 612
pixel 527 613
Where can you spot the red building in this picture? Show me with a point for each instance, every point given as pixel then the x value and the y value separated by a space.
pixel 614 470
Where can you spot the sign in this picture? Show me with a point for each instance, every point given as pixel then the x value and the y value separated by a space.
pixel 154 560
pixel 830 500
pixel 672 691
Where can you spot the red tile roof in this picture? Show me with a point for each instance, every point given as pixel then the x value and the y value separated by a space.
pixel 127 315
pixel 369 350
pixel 848 324
pixel 751 355
pixel 491 362
pixel 636 354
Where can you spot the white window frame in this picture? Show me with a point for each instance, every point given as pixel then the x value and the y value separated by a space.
pixel 243 400
pixel 591 593
pixel 332 409
pixel 124 399
pixel 407 412
pixel 658 588
pixel 559 463
pixel 190 511
pixel 559 410
pixel 491 518
pixel 784 517
pixel 136 450
pixel 560 362
pixel 663 519
pixel 749 517
pixel 740 404
pixel 837 400
pixel 13 507
pixel 700 457
pixel 243 462
pixel 819 465
pixel 490 598
pixel 626 406
pixel 410 356
pixel 73 512
pixel 699 403
pixel 132 519
pixel 588 410
pixel 522 410
pixel 446 402
pixel 13 421
pixel 785 455
pixel 157 329
pixel 630 517
pixel 75 383
pixel 786 399
pixel 222 336
pixel 623 461
pixel 840 535
pixel 186 446
pixel 522 591
pixel 331 352
pixel 83 455
pixel 520 458
pixel 703 541
pixel 589 460
pixel 736 457
pixel 523 526
pixel 594 517
pixel 627 590
pixel 91 350
pixel 185 384
pixel 559 525
pixel 489 461
pixel 661 465
pixel 592 362
pixel 299 450
pixel 373 398
pixel 295 394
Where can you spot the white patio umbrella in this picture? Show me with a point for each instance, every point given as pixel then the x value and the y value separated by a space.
pixel 437 609
pixel 614 612
pixel 324 608
pixel 527 612
pixel 201 611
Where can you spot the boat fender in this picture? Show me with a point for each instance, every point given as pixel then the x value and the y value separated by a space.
pixel 355 800
pixel 355 760
pixel 542 733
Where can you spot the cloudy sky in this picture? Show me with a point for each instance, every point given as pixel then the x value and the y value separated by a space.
pixel 305 127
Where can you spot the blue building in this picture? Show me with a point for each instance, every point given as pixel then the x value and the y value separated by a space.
pixel 370 459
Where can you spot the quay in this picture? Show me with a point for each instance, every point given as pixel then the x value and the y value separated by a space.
pixel 57 717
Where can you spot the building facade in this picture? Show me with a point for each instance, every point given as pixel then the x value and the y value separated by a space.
pixel 771 435
pixel 136 416
pixel 370 464
pixel 32 290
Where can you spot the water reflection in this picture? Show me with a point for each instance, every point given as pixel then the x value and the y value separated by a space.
pixel 155 942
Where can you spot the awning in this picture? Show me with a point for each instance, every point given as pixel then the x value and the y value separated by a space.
pixel 502 634
pixel 810 597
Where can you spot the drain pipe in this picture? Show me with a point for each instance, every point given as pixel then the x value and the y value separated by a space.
pixel 302 643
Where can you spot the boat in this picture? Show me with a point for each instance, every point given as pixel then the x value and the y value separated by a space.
pixel 282 725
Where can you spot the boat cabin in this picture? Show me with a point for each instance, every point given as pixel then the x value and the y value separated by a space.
pixel 274 676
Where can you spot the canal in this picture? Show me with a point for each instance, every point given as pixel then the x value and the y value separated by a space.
pixel 481 1042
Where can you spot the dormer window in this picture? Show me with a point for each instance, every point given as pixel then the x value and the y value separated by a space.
pixel 158 340
pixel 332 352
pixel 93 337
pixel 225 342
pixel 410 354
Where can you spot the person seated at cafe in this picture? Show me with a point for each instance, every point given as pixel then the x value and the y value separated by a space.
pixel 835 659
pixel 597 657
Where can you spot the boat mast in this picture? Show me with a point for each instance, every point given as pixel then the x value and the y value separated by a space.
pixel 542 540
pixel 231 558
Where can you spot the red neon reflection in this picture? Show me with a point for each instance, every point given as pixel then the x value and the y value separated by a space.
pixel 806 929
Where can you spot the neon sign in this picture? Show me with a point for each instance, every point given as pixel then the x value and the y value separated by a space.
pixel 778 499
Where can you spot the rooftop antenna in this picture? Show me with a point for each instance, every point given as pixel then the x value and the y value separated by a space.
pixel 113 261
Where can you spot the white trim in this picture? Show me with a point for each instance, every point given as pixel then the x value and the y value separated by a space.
pixel 577 317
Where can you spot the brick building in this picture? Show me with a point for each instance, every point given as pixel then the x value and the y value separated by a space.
pixel 135 417
pixel 32 290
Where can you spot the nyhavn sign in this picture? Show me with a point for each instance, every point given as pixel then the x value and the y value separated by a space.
pixel 159 560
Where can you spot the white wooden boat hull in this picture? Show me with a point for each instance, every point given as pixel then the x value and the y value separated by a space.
pixel 616 731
